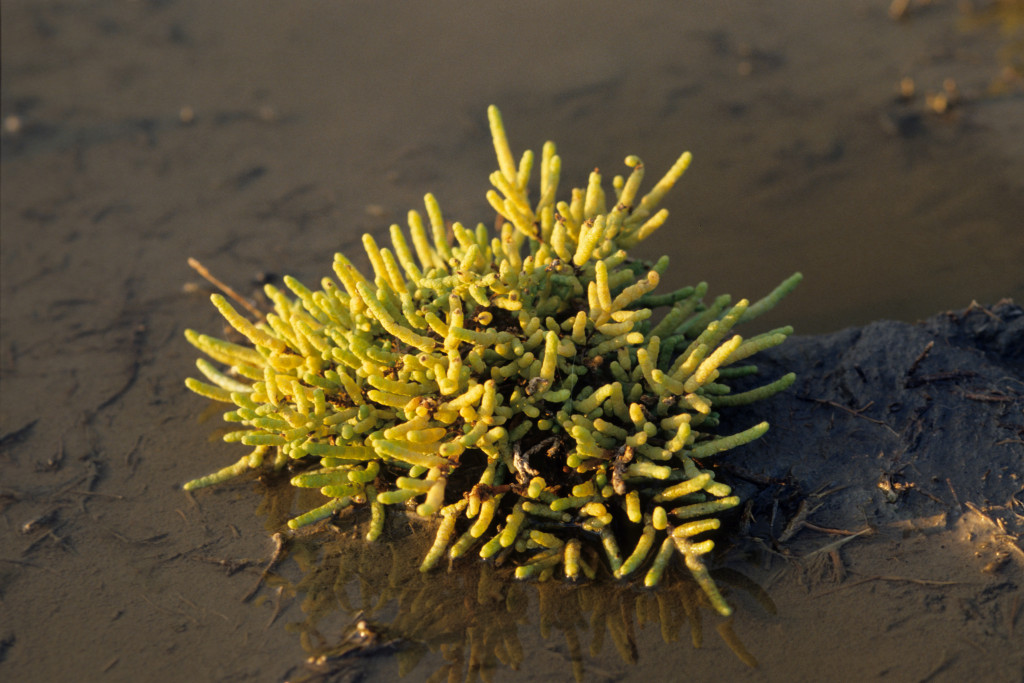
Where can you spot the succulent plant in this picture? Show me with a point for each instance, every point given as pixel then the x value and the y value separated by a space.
pixel 528 388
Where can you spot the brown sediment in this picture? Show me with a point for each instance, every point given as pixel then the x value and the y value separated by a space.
pixel 137 134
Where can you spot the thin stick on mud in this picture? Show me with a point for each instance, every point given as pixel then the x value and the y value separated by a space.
pixel 895 579
pixel 280 547
pixel 201 269
pixel 855 413
pixel 835 545
pixel 913 366
pixel 829 530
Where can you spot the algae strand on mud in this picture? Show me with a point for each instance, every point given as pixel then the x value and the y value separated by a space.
pixel 529 389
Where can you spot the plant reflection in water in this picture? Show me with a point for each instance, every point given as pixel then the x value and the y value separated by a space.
pixel 366 600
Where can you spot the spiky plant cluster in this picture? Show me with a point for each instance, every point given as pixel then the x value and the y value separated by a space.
pixel 519 386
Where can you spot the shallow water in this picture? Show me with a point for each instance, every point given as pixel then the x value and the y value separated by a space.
pixel 261 139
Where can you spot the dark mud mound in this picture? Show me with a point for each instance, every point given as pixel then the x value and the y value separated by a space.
pixel 901 421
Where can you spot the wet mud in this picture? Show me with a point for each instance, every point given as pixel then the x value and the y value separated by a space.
pixel 900 421
pixel 882 534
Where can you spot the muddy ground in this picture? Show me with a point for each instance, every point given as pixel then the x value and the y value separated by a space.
pixel 262 137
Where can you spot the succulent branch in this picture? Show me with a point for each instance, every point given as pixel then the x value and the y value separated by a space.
pixel 528 388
